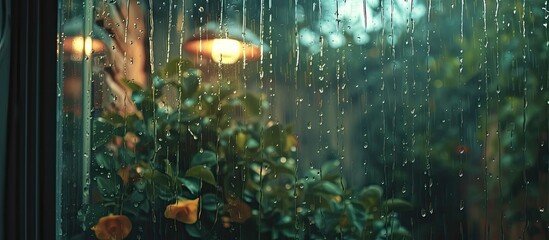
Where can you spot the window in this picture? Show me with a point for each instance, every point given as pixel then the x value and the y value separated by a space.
pixel 326 119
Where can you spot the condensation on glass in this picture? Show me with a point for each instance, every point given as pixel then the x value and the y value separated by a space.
pixel 324 119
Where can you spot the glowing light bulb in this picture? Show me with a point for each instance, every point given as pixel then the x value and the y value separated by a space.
pixel 79 45
pixel 226 51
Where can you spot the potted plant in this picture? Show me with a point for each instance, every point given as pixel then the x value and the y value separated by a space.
pixel 198 161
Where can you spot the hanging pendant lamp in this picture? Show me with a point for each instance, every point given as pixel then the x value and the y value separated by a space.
pixel 226 44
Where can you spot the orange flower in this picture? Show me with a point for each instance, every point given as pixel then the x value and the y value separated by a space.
pixel 184 210
pixel 113 227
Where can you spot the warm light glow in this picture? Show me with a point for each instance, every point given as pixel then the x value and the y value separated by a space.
pixel 226 51
pixel 78 47
pixel 223 50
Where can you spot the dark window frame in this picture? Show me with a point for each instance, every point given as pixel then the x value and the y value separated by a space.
pixel 29 210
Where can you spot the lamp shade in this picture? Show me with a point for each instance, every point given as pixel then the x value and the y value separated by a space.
pixel 226 44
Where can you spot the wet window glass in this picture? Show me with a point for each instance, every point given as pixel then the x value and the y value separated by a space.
pixel 324 119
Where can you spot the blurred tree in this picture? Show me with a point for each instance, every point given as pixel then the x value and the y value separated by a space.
pixel 453 113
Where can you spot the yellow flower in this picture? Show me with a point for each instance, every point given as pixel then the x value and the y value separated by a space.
pixel 184 210
pixel 111 227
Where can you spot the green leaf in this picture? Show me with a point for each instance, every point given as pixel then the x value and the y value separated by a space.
pixel 138 97
pixel 145 103
pixel 135 204
pixel 126 156
pixel 397 205
pixel 106 161
pixel 203 173
pixel 135 196
pixel 160 178
pixel 328 187
pixel 251 143
pixel 206 158
pixel 158 82
pixel 354 215
pixel 372 191
pixel 108 187
pixel 192 184
pixel 162 184
pixel 281 168
pixel 103 133
pixel 210 202
pixel 326 221
pixel 193 230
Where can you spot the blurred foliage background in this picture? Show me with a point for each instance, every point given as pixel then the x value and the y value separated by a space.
pixel 453 114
